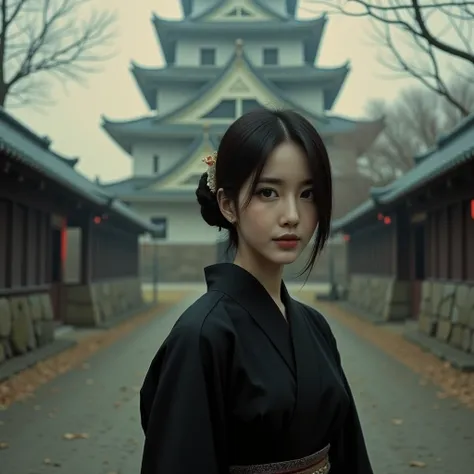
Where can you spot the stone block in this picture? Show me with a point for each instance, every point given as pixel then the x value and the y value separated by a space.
pixel 46 306
pixel 466 340
pixel 44 331
pixel 5 318
pixel 34 303
pixel 455 338
pixel 427 325
pixel 443 330
pixel 445 305
pixel 22 333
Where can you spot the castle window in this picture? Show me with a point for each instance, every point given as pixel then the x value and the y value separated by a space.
pixel 156 164
pixel 270 56
pixel 233 12
pixel 226 109
pixel 245 12
pixel 208 57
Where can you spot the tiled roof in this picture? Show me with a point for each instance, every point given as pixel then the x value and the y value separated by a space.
pixel 330 79
pixel 22 145
pixel 187 6
pixel 137 185
pixel 219 3
pixel 452 150
pixel 170 31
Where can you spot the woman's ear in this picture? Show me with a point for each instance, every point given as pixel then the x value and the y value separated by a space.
pixel 226 206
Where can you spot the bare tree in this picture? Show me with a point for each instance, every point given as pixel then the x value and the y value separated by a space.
pixel 44 39
pixel 413 124
pixel 418 35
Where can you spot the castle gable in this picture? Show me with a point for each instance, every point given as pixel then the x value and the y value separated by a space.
pixel 239 10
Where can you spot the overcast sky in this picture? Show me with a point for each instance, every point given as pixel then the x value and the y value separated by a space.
pixel 73 123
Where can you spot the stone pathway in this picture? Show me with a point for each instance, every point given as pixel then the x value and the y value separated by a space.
pixel 87 420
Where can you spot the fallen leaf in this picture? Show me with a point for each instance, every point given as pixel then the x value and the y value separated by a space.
pixel 117 404
pixel 89 381
pixel 4 445
pixel 70 436
pixel 49 462
pixel 397 421
pixel 417 464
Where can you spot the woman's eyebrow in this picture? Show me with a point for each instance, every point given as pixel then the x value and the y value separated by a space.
pixel 279 181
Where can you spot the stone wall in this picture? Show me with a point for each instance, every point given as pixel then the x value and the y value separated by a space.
pixel 447 313
pixel 185 263
pixel 101 302
pixel 26 323
pixel 383 298
pixel 176 263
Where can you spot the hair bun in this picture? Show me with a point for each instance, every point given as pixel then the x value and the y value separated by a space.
pixel 209 207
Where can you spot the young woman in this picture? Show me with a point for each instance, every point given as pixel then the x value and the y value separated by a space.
pixel 250 380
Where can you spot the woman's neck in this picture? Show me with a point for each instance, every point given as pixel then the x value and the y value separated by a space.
pixel 269 275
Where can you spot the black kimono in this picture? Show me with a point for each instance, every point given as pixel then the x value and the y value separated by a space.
pixel 236 384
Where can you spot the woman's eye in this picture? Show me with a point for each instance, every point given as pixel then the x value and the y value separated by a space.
pixel 307 194
pixel 266 192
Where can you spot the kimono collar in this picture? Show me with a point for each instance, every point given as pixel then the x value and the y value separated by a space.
pixel 246 290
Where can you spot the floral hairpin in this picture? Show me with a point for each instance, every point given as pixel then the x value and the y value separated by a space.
pixel 210 161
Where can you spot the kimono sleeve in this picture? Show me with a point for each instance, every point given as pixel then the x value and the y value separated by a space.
pixel 182 408
pixel 348 447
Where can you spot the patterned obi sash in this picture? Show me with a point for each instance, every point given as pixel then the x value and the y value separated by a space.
pixel 317 463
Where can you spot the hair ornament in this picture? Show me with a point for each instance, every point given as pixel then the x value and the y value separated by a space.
pixel 210 161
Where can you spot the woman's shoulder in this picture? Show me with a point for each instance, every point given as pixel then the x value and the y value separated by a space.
pixel 205 319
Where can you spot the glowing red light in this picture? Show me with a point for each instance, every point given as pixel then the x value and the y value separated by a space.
pixel 387 220
pixel 472 209
pixel 97 220
pixel 347 237
pixel 379 216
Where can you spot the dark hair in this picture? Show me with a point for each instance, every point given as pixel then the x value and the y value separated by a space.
pixel 243 151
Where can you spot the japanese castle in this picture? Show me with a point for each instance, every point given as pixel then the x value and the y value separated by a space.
pixel 224 58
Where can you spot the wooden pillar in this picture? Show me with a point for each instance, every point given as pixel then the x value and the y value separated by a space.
pixel 402 255
pixel 86 251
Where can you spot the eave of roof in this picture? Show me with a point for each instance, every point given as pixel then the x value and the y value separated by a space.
pixel 22 145
pixel 219 3
pixel 320 120
pixel 170 31
pixel 330 79
pixel 126 133
pixel 187 7
pixel 452 150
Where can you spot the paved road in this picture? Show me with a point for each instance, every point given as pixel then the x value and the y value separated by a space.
pixel 102 401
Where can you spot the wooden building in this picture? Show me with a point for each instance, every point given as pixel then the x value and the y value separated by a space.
pixel 43 201
pixel 411 245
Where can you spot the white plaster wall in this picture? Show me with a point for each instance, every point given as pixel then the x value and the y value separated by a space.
pixel 290 50
pixel 172 96
pixel 306 95
pixel 170 151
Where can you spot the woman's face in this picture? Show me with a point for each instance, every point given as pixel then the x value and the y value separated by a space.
pixel 281 218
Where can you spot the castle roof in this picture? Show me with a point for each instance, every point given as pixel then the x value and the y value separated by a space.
pixel 329 79
pixel 187 7
pixel 451 151
pixel 127 132
pixel 309 31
